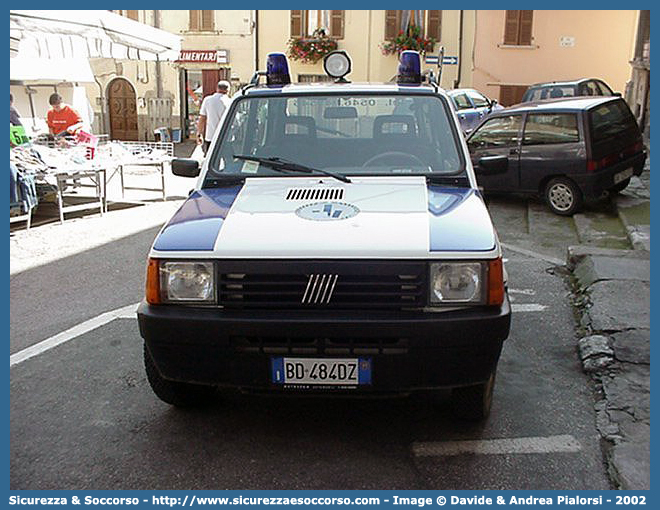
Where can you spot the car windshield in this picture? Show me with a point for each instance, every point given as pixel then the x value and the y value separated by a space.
pixel 341 135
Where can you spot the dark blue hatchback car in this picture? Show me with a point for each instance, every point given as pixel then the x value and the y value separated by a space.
pixel 566 150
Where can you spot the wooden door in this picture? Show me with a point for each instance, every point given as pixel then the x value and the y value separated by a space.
pixel 123 110
pixel 210 79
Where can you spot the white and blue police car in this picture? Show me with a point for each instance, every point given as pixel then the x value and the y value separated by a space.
pixel 335 242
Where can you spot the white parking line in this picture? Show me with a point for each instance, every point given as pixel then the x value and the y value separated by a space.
pixel 124 312
pixel 527 307
pixel 520 445
pixel 525 292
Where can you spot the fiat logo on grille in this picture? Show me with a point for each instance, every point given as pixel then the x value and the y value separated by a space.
pixel 319 289
pixel 327 211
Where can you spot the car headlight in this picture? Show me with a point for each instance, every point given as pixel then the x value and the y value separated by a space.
pixel 457 282
pixel 187 282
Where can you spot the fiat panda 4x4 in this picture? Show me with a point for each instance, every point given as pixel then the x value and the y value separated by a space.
pixel 335 242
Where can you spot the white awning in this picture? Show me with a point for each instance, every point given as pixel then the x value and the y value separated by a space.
pixel 87 34
pixel 26 69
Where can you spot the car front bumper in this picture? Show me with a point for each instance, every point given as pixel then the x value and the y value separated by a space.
pixel 409 351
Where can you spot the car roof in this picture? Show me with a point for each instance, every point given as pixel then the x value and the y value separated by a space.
pixel 563 82
pixel 564 104
pixel 339 88
pixel 454 92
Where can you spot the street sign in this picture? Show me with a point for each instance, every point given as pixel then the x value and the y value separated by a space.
pixel 433 59
pixel 204 56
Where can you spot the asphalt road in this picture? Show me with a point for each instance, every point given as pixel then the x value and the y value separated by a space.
pixel 83 415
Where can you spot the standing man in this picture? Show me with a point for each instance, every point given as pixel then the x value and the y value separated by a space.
pixel 14 117
pixel 62 118
pixel 213 107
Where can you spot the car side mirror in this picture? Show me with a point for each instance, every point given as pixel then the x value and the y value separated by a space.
pixel 492 165
pixel 185 167
pixel 617 94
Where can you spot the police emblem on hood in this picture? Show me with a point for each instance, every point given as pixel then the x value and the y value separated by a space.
pixel 327 211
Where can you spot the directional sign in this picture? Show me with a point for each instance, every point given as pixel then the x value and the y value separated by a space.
pixel 433 59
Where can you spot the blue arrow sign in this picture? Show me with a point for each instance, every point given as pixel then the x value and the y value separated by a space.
pixel 433 59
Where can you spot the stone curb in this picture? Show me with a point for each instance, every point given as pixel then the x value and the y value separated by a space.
pixel 615 352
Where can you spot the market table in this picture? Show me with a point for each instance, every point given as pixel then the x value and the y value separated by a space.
pixel 81 179
pixel 143 154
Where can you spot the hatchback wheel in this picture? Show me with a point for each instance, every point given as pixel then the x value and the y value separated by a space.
pixel 473 403
pixel 172 392
pixel 563 196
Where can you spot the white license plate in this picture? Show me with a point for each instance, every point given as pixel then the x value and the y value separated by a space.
pixel 321 371
pixel 622 176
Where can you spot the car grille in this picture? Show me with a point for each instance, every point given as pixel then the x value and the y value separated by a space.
pixel 321 346
pixel 320 285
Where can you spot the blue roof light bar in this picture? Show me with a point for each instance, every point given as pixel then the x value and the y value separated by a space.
pixel 410 68
pixel 277 69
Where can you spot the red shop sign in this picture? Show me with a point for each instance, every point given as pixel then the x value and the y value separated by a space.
pixel 215 56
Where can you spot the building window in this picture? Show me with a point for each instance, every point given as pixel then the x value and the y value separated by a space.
pixel 511 94
pixel 430 23
pixel 201 21
pixel 128 14
pixel 305 23
pixel 518 28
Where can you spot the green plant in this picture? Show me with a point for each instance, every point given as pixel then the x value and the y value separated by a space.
pixel 409 39
pixel 310 50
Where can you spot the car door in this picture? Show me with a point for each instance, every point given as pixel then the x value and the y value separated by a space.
pixel 467 116
pixel 481 106
pixel 551 146
pixel 498 136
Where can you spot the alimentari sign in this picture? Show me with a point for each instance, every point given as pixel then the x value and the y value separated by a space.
pixel 204 56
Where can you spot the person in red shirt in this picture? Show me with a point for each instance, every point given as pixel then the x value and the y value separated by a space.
pixel 62 119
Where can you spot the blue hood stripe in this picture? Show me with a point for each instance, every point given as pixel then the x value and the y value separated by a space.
pixel 459 233
pixel 197 223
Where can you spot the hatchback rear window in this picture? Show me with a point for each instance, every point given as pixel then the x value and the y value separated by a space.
pixel 610 119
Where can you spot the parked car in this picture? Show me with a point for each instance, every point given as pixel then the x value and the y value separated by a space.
pixel 471 107
pixel 565 150
pixel 335 242
pixel 571 88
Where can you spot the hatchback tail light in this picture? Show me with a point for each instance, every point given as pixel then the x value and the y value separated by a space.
pixel 594 165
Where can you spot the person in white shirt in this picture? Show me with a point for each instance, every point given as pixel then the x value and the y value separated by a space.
pixel 213 107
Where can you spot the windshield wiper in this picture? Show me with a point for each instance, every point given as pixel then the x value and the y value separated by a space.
pixel 283 165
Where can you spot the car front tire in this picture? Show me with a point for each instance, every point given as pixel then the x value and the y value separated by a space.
pixel 563 196
pixel 175 393
pixel 473 403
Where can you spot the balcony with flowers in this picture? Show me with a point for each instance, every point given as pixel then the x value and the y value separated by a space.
pixel 409 39
pixel 311 49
